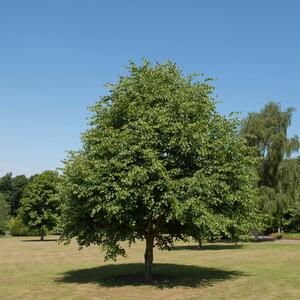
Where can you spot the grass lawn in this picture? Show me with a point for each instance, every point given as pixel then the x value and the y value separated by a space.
pixel 31 269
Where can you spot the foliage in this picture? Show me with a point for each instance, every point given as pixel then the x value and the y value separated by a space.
pixel 291 218
pixel 40 205
pixel 158 163
pixel 4 213
pixel 266 132
pixel 289 184
pixel 17 228
pixel 12 189
pixel 289 179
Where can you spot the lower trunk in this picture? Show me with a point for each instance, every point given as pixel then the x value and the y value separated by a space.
pixel 148 257
pixel 256 237
pixel 42 235
pixel 200 243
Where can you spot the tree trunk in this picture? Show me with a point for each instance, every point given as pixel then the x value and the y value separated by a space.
pixel 200 243
pixel 256 237
pixel 149 257
pixel 42 235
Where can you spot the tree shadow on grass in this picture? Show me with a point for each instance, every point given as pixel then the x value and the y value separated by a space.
pixel 164 275
pixel 208 247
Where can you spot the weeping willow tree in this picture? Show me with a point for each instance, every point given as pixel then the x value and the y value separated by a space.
pixel 266 131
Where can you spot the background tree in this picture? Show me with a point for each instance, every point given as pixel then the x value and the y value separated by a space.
pixel 289 186
pixel 266 131
pixel 158 163
pixel 12 189
pixel 4 213
pixel 40 206
pixel 291 217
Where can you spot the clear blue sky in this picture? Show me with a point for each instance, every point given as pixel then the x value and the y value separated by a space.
pixel 56 55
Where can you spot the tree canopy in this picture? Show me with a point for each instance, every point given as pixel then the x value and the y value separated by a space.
pixel 40 206
pixel 157 163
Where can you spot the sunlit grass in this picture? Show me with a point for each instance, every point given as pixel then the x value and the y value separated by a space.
pixel 31 269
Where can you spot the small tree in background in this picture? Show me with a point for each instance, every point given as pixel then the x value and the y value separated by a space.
pixel 4 213
pixel 158 164
pixel 40 206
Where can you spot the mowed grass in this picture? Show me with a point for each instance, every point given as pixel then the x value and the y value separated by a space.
pixel 30 269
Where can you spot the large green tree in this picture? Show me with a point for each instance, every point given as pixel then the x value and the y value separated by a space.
pixel 40 206
pixel 158 164
pixel 266 131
